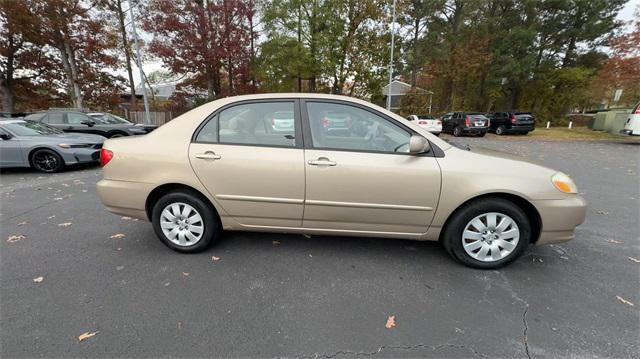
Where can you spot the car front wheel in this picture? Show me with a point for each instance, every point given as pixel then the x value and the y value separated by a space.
pixel 500 130
pixel 457 131
pixel 185 222
pixel 45 160
pixel 488 233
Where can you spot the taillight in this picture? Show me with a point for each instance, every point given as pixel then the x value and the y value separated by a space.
pixel 439 123
pixel 423 123
pixel 105 157
pixel 513 119
pixel 325 122
pixel 467 121
pixel 637 110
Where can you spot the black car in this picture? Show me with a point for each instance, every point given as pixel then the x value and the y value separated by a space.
pixel 72 121
pixel 512 122
pixel 111 119
pixel 460 123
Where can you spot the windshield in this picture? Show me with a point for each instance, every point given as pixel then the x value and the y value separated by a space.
pixel 111 119
pixel 30 128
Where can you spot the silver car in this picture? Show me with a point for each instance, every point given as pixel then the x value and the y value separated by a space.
pixel 26 143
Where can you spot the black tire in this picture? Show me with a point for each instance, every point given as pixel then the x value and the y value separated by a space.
pixel 46 160
pixel 482 134
pixel 457 131
pixel 501 130
pixel 210 220
pixel 452 235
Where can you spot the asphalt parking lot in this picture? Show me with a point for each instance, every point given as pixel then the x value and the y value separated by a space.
pixel 275 295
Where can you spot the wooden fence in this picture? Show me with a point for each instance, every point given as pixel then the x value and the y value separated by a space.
pixel 156 118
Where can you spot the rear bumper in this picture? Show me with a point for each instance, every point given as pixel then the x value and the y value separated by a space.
pixel 125 198
pixel 560 218
pixel 475 129
pixel 522 128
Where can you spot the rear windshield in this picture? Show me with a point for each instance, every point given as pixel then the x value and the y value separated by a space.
pixel 426 117
pixel 478 117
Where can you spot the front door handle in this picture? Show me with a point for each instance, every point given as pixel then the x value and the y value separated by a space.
pixel 322 161
pixel 208 156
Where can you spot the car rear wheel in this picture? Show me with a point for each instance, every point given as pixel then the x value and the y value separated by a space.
pixel 457 131
pixel 45 160
pixel 488 233
pixel 184 222
pixel 500 130
pixel 117 134
pixel 482 134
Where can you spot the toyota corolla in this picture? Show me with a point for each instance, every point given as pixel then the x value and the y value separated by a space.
pixel 219 168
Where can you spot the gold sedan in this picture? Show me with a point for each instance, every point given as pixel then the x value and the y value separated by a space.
pixel 332 165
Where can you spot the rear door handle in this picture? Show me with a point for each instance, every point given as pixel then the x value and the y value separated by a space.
pixel 322 161
pixel 208 156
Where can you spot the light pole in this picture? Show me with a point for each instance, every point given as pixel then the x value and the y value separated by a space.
pixel 139 63
pixel 393 33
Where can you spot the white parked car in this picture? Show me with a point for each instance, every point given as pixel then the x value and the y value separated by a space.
pixel 428 122
pixel 632 126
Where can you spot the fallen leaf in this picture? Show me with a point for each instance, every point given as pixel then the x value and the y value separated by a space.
pixel 634 259
pixel 58 199
pixel 125 218
pixel 54 216
pixel 16 238
pixel 185 274
pixel 602 212
pixel 66 224
pixel 613 241
pixel 624 301
pixel 275 243
pixel 117 236
pixel 391 322
pixel 38 280
pixel 119 267
pixel 215 259
pixel 23 223
pixel 86 335
pixel 179 325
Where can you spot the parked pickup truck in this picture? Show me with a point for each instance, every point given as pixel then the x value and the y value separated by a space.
pixel 503 123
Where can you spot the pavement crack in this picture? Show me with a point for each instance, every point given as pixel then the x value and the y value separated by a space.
pixel 524 331
pixel 390 347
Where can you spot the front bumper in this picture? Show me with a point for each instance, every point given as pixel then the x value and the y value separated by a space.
pixel 74 156
pixel 560 218
pixel 628 132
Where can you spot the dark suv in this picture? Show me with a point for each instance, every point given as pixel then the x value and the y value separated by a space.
pixel 71 121
pixel 459 123
pixel 512 122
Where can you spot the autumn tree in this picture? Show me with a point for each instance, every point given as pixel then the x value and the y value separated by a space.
pixel 207 39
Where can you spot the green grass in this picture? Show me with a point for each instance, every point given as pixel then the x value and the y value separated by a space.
pixel 565 134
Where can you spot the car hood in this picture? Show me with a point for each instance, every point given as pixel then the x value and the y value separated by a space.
pixel 500 154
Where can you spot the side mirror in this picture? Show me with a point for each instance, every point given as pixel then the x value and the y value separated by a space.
pixel 5 136
pixel 418 144
pixel 88 123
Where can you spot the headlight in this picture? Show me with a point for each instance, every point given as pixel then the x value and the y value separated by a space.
pixel 137 130
pixel 80 145
pixel 564 183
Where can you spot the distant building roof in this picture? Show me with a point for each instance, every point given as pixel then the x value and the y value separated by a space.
pixel 399 88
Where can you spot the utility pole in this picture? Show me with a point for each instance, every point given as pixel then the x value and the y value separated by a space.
pixel 139 63
pixel 393 33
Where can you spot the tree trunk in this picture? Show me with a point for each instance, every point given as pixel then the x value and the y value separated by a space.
pixel 127 54
pixel 414 62
pixel 68 63
pixel 8 97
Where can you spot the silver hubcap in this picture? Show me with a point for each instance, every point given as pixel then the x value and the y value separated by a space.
pixel 490 237
pixel 181 224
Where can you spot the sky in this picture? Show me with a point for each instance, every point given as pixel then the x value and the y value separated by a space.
pixel 626 14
